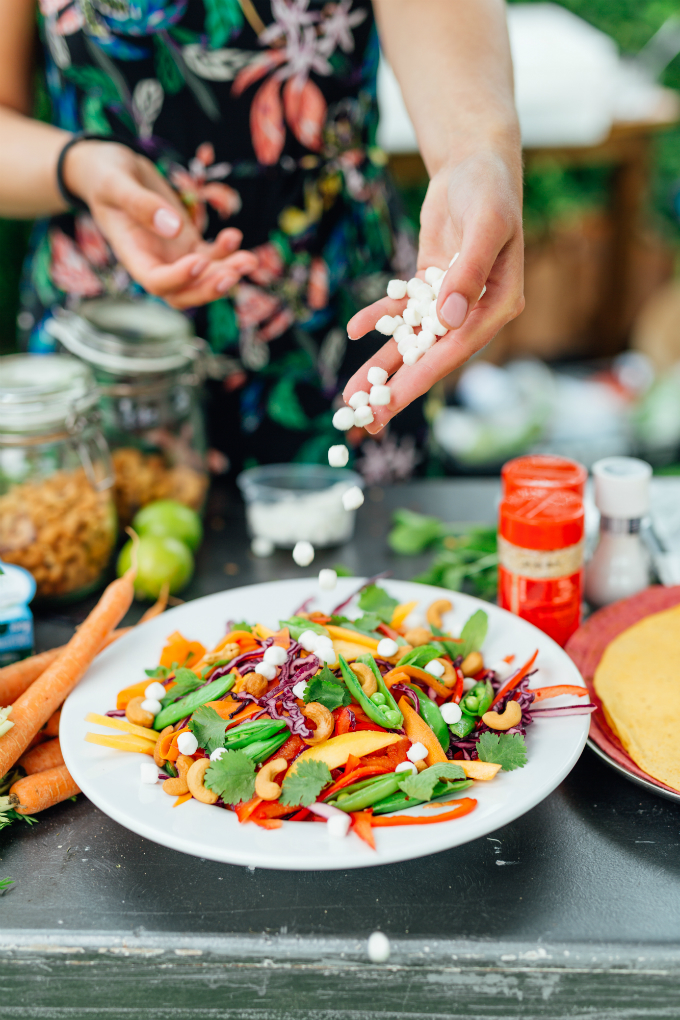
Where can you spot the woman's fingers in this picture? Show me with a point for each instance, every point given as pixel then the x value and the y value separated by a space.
pixel 215 281
pixel 388 357
pixel 227 241
pixel 364 321
pixel 146 207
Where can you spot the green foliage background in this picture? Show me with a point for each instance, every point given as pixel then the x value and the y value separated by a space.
pixel 550 194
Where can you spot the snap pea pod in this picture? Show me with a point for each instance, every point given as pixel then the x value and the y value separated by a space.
pixel 478 700
pixel 185 706
pixel 463 727
pixel 247 732
pixel 361 799
pixel 399 800
pixel 355 786
pixel 260 750
pixel 387 715
pixel 429 711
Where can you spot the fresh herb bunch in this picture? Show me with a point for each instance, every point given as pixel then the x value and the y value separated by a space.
pixel 465 554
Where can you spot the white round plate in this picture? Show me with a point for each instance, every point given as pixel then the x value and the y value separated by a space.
pixel 111 778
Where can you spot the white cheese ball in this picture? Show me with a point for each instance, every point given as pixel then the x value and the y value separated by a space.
pixel 468 683
pixel 425 340
pixel 352 498
pixel 387 648
pixel 396 289
pixel 303 552
pixel 378 947
pixel 407 766
pixel 385 325
pixel 337 826
pixel 358 399
pixel 403 331
pixel 300 688
pixel 326 653
pixel 363 416
pixel 155 691
pixel 417 752
pixel 148 773
pixel 338 455
pixel 435 668
pixel 503 670
pixel 261 546
pixel 266 669
pixel 432 274
pixel 275 654
pixel 412 355
pixel 412 317
pixel 343 419
pixel 404 345
pixel 151 705
pixel 451 713
pixel 217 753
pixel 328 579
pixel 380 396
pixel 187 743
pixel 437 286
pixel 308 640
pixel 434 325
pixel 377 376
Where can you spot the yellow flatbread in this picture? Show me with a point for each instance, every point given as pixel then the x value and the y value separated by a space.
pixel 638 682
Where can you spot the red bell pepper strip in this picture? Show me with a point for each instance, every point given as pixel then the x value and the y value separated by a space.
pixel 362 773
pixel 540 693
pixel 370 726
pixel 300 816
pixel 345 721
pixel 465 806
pixel 458 688
pixel 514 681
pixel 388 631
pixel 361 824
pixel 245 809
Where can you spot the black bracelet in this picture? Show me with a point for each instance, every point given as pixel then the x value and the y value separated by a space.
pixel 73 201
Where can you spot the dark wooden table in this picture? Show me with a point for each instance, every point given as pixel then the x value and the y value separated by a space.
pixel 571 911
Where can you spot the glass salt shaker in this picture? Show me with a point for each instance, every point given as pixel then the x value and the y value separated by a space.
pixel 620 565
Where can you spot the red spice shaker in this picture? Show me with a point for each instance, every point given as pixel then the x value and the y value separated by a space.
pixel 540 555
pixel 543 471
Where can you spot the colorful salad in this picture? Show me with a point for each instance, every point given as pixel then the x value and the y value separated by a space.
pixel 350 722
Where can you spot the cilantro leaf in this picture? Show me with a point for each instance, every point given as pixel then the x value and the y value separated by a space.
pixel 5 884
pixel 298 624
pixel 473 633
pixel 376 600
pixel 159 673
pixel 232 777
pixel 505 749
pixel 368 623
pixel 325 689
pixel 241 626
pixel 342 571
pixel 186 681
pixel 305 783
pixel 420 786
pixel 208 727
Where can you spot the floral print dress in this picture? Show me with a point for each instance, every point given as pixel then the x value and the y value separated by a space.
pixel 262 114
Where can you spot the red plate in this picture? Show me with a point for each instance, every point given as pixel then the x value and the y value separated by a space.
pixel 586 647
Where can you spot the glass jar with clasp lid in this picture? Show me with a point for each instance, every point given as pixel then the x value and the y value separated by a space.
pixel 57 517
pixel 149 368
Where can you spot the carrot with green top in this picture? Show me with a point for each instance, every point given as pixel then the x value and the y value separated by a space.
pixel 34 707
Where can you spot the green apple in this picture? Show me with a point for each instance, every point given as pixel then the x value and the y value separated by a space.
pixel 160 559
pixel 168 517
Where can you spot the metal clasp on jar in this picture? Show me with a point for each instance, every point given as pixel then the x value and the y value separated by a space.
pixel 87 445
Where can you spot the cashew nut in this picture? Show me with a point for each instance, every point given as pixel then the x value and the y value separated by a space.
pixel 255 684
pixel 323 719
pixel 369 684
pixel 512 716
pixel 418 636
pixel 434 613
pixel 448 677
pixel 472 664
pixel 179 786
pixel 225 655
pixel 265 786
pixel 134 713
pixel 156 752
pixel 195 777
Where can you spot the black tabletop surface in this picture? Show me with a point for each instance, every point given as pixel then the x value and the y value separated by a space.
pixel 596 863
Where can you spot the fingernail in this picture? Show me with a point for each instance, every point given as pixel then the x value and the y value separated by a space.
pixel 166 223
pixel 224 284
pixel 454 310
pixel 198 267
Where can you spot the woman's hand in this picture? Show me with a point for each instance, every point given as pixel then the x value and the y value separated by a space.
pixel 148 228
pixel 474 207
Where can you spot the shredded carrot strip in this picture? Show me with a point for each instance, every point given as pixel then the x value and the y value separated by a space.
pixel 540 693
pixel 511 684
pixel 465 806
pixel 182 800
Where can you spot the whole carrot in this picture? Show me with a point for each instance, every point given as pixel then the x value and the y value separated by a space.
pixel 18 676
pixel 34 707
pixel 45 756
pixel 42 790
